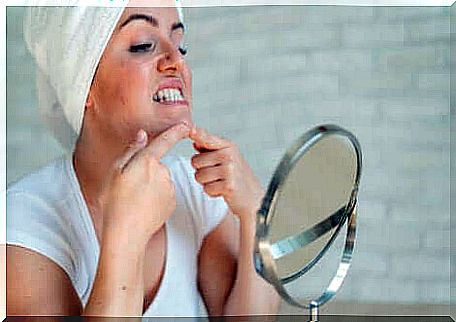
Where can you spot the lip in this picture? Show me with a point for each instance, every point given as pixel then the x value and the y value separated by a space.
pixel 175 83
pixel 183 103
pixel 170 83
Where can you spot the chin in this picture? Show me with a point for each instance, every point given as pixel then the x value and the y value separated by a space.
pixel 178 120
pixel 156 130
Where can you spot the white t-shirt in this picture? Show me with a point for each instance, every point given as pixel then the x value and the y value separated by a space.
pixel 46 213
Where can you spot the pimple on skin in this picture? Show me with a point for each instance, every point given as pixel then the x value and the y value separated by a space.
pixel 123 100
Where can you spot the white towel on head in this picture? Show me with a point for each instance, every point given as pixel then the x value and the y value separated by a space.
pixel 67 43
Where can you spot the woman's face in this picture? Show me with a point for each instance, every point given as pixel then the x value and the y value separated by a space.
pixel 142 79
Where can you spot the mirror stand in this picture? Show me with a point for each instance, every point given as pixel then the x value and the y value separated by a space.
pixel 314 308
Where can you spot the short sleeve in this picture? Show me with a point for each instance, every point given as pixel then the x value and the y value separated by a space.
pixel 208 211
pixel 32 224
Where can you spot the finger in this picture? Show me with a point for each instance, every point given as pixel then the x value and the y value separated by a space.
pixel 209 159
pixel 214 189
pixel 209 174
pixel 139 143
pixel 166 140
pixel 200 149
pixel 204 139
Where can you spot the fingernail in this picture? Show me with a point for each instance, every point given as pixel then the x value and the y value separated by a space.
pixel 141 136
pixel 183 127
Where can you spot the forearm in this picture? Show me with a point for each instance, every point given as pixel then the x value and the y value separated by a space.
pixel 250 294
pixel 118 288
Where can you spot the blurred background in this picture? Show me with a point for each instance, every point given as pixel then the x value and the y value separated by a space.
pixel 264 75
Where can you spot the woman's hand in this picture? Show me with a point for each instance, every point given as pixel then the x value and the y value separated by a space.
pixel 222 171
pixel 138 195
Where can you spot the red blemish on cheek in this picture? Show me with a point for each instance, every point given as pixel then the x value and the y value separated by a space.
pixel 119 94
pixel 123 100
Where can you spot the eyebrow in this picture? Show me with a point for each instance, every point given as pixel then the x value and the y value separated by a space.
pixel 151 20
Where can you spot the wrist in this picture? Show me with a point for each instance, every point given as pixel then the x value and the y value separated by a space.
pixel 123 240
pixel 249 212
pixel 247 226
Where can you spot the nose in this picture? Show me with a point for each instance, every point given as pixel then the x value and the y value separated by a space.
pixel 170 59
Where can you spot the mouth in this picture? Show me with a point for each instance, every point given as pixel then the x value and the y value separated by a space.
pixel 170 93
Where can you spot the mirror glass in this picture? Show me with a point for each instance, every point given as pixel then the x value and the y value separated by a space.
pixel 318 186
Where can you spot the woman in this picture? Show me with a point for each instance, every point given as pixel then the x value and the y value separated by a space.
pixel 118 229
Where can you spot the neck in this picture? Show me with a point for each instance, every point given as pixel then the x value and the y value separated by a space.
pixel 92 160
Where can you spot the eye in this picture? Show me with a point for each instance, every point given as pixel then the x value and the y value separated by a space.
pixel 183 49
pixel 142 48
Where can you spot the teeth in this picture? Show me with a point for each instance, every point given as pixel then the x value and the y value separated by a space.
pixel 168 94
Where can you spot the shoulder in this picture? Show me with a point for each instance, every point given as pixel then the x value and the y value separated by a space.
pixel 38 216
pixel 45 183
pixel 39 197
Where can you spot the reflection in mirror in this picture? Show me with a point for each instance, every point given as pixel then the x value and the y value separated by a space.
pixel 311 285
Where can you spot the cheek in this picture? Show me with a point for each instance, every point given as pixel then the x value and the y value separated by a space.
pixel 188 79
pixel 132 83
pixel 188 72
pixel 122 96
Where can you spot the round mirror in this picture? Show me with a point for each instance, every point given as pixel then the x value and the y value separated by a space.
pixel 306 224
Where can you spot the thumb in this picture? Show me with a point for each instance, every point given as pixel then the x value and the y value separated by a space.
pixel 138 144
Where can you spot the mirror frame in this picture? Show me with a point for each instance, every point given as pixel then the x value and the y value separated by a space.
pixel 263 255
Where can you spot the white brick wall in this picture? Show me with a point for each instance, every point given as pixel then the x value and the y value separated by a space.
pixel 264 75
